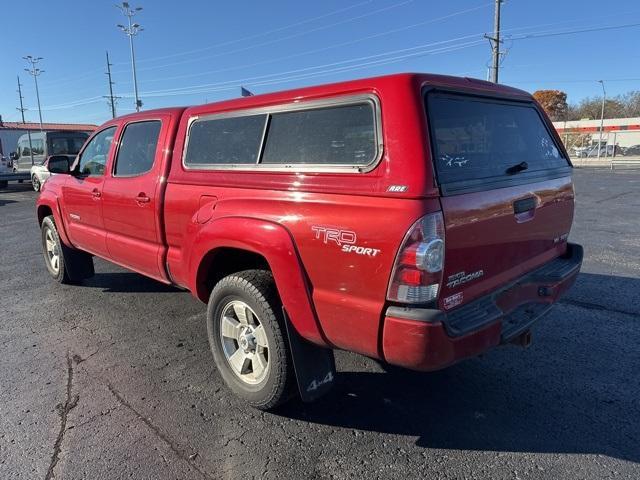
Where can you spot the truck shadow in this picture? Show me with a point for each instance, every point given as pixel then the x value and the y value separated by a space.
pixel 573 391
pixel 4 202
pixel 127 282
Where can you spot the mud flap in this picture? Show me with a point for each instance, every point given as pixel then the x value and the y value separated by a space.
pixel 315 366
pixel 79 264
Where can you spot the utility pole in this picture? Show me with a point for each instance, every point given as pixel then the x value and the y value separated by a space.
pixel 495 43
pixel 604 98
pixel 112 99
pixel 22 110
pixel 35 72
pixel 131 30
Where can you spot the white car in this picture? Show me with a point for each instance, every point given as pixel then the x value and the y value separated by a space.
pixel 39 175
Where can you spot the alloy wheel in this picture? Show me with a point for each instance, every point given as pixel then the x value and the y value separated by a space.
pixel 244 342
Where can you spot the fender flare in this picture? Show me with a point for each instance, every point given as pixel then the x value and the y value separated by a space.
pixel 273 242
pixel 52 203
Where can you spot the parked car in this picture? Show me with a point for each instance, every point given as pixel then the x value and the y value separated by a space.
pixel 632 151
pixel 39 175
pixel 592 151
pixel 416 219
pixel 580 151
pixel 43 145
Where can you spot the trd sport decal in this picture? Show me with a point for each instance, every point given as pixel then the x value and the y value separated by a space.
pixel 346 239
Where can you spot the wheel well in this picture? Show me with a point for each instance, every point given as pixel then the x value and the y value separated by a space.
pixel 221 262
pixel 43 211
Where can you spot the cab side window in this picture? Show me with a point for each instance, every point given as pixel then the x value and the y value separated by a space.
pixel 137 149
pixel 94 158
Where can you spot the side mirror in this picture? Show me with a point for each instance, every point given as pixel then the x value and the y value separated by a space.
pixel 58 164
pixel 13 156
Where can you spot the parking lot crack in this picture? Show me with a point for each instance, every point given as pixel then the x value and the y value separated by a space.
pixel 596 306
pixel 187 458
pixel 265 470
pixel 63 409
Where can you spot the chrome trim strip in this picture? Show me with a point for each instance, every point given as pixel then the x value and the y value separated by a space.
pixel 296 105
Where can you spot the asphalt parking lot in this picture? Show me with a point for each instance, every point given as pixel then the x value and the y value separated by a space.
pixel 114 379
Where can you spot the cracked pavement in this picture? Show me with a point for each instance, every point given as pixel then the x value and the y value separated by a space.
pixel 114 379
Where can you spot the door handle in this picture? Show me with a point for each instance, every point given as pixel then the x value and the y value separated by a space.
pixel 96 193
pixel 142 198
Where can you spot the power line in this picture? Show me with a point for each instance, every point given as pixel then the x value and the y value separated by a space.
pixel 325 48
pixel 284 77
pixel 442 48
pixel 281 39
pixel 576 81
pixel 306 72
pixel 250 80
pixel 94 72
pixel 383 61
pixel 571 32
pixel 257 35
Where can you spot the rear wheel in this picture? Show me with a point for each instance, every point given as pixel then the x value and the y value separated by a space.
pixel 247 336
pixel 65 264
pixel 35 183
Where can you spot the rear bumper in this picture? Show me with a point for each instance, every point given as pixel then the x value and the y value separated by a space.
pixel 431 339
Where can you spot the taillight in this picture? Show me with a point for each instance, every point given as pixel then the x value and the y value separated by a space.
pixel 417 273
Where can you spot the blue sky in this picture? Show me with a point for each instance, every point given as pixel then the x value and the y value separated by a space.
pixel 196 51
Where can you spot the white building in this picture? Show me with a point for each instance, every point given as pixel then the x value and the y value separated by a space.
pixel 623 132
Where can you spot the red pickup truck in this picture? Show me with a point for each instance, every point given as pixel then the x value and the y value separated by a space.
pixel 416 219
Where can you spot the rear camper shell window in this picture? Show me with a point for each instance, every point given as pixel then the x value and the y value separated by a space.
pixel 475 142
pixel 336 135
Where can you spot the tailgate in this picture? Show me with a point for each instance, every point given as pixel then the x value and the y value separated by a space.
pixel 507 195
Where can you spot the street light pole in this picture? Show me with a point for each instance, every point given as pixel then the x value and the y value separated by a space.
pixel 131 30
pixel 604 98
pixel 35 72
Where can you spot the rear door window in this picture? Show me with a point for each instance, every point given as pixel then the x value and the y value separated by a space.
pixel 137 149
pixel 474 138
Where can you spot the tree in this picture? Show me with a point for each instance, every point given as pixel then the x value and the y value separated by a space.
pixel 591 108
pixel 631 101
pixel 554 102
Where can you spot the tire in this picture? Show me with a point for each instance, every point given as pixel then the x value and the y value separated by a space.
pixel 247 336
pixel 35 183
pixel 64 264
pixel 4 183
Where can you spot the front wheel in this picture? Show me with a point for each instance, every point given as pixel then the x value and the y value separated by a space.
pixel 65 264
pixel 35 183
pixel 247 335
